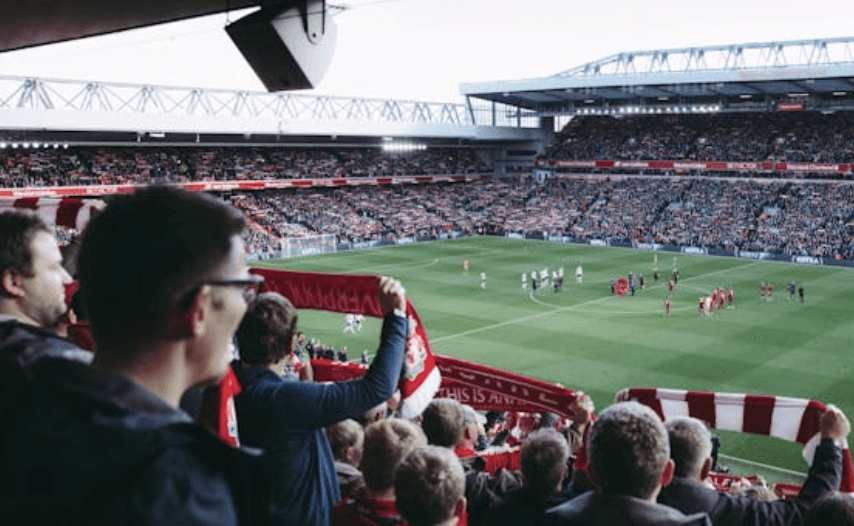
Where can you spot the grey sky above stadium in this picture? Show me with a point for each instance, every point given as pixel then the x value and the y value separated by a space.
pixel 423 49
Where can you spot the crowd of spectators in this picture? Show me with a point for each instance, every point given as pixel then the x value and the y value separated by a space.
pixel 143 165
pixel 787 217
pixel 107 437
pixel 802 137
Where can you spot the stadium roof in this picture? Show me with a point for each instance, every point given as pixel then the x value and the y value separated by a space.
pixel 37 22
pixel 815 74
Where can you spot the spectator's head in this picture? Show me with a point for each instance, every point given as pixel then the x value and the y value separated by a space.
pixel 33 279
pixel 266 333
pixel 347 439
pixel 544 460
pixel 162 270
pixel 429 487
pixel 387 443
pixel 442 422
pixel 834 508
pixel 628 452
pixel 690 447
pixel 471 427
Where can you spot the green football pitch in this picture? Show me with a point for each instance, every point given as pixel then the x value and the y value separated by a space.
pixel 587 339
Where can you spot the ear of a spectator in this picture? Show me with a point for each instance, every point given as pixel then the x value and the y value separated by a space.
pixel 667 473
pixel 12 283
pixel 706 469
pixel 191 321
pixel 350 454
pixel 471 432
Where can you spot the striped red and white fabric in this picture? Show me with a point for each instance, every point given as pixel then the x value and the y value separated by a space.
pixel 792 419
pixel 69 212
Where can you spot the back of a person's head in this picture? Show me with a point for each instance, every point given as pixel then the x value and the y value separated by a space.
pixel 628 450
pixel 343 435
pixel 690 445
pixel 544 457
pixel 145 254
pixel 428 485
pixel 17 228
pixel 442 422
pixel 266 331
pixel 387 443
pixel 834 509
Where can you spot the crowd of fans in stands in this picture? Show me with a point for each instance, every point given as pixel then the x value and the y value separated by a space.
pixel 99 166
pixel 792 218
pixel 802 137
pixel 107 437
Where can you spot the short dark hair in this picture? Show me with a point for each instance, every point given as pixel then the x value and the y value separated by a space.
pixel 17 229
pixel 267 329
pixel 387 443
pixel 443 422
pixel 690 444
pixel 145 254
pixel 427 486
pixel 544 456
pixel 628 450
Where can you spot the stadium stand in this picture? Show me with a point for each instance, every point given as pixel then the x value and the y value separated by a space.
pixel 715 213
pixel 793 137
pixel 75 166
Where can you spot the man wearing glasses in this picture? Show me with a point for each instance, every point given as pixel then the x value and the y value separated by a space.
pixel 163 277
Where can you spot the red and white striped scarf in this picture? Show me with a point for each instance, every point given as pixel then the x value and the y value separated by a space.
pixel 792 419
pixel 69 212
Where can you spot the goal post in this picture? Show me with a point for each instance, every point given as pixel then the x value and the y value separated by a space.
pixel 310 245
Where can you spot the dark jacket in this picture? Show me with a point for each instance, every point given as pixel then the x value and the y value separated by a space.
pixel 594 509
pixel 21 345
pixel 286 419
pixel 728 510
pixel 523 506
pixel 82 446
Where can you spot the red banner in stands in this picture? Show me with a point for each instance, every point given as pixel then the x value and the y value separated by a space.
pixel 702 166
pixel 223 186
pixel 484 388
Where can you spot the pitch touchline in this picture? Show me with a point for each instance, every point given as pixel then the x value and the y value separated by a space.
pixel 761 465
pixel 561 309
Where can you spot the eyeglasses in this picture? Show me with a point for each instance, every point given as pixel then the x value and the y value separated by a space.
pixel 249 284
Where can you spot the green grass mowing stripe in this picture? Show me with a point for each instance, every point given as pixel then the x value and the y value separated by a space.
pixel 586 339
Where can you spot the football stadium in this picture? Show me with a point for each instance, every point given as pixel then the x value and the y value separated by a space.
pixel 673 225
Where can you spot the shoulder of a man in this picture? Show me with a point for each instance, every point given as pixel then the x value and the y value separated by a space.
pixel 183 475
pixel 22 344
pixel 691 497
pixel 591 509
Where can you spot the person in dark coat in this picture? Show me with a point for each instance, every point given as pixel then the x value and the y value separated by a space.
pixel 545 455
pixel 629 462
pixel 287 419
pixel 690 449
pixel 163 278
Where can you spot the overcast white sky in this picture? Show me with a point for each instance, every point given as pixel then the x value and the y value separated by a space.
pixel 423 49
